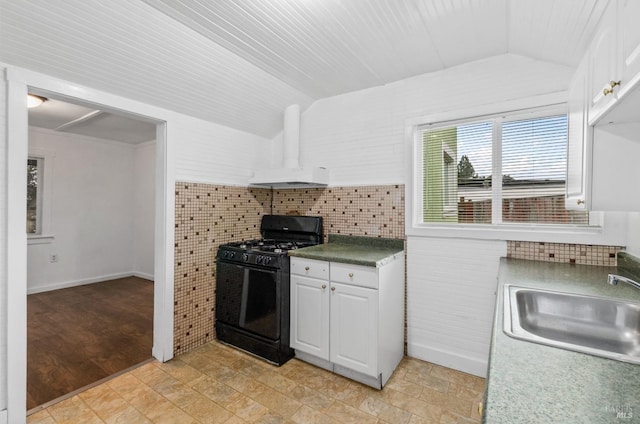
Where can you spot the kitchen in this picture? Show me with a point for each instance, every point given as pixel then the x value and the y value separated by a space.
pixel 359 135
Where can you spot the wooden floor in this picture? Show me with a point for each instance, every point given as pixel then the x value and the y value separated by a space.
pixel 80 335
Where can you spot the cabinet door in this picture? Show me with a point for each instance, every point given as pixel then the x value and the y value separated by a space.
pixel 603 64
pixel 579 143
pixel 629 13
pixel 354 328
pixel 310 316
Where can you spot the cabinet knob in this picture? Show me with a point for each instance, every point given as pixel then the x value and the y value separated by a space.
pixel 580 201
pixel 612 85
pixel 306 268
pixel 324 286
pixel 333 289
pixel 351 275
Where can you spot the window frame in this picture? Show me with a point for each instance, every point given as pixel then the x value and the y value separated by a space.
pixel 45 192
pixel 39 193
pixel 603 228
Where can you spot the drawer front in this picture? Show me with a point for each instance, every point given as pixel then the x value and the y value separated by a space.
pixel 310 268
pixel 357 275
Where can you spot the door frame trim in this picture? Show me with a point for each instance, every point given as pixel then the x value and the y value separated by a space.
pixel 19 82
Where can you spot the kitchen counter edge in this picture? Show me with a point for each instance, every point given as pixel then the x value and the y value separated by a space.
pixel 356 250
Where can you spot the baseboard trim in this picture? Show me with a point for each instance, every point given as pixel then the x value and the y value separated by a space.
pixel 143 275
pixel 4 417
pixel 449 359
pixel 82 282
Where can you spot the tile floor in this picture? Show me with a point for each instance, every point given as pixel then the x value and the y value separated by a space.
pixel 218 384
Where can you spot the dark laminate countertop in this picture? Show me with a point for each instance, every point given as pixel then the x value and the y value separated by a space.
pixel 533 383
pixel 366 251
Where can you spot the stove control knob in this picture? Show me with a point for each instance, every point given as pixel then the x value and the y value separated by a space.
pixel 232 254
pixel 245 257
pixel 259 259
pixel 266 260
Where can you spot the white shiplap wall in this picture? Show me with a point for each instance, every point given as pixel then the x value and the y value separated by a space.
pixel 451 299
pixel 360 136
pixel 211 153
pixel 3 248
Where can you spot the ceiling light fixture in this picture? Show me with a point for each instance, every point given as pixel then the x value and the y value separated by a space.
pixel 35 101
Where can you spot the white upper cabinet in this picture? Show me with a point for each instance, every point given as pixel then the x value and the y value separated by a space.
pixel 604 77
pixel 629 40
pixel 604 114
pixel 614 57
pixel 579 143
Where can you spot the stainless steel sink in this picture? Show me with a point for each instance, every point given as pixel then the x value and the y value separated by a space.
pixel 598 326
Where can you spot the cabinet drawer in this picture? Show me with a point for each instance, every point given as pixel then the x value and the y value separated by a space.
pixel 310 268
pixel 357 275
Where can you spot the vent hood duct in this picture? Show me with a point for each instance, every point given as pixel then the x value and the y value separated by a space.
pixel 291 175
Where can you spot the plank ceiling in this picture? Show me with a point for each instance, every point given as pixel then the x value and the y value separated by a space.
pixel 239 63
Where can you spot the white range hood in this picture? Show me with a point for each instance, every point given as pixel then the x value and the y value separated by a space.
pixel 291 175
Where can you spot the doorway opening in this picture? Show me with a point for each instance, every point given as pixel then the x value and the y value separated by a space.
pixel 90 247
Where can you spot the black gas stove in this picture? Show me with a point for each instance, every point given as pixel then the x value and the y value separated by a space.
pixel 259 251
pixel 252 286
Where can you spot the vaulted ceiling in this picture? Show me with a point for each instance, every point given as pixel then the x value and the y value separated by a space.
pixel 239 63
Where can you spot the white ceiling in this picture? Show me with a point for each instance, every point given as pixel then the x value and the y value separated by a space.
pixel 239 63
pixel 72 118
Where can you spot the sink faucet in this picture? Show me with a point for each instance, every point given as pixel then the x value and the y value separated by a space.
pixel 613 280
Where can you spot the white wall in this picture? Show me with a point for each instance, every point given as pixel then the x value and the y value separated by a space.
pixel 361 137
pixel 3 248
pixel 633 238
pixel 143 209
pixel 92 211
pixel 450 300
pixel 210 153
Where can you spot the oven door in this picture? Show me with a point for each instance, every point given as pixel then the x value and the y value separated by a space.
pixel 248 298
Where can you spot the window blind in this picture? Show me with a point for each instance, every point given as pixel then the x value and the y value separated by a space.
pixel 532 171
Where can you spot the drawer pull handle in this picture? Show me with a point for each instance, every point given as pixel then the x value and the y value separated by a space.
pixel 351 275
pixel 306 268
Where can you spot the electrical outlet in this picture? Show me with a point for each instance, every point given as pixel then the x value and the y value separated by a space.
pixel 53 257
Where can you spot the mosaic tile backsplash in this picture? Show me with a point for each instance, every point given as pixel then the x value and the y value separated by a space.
pixel 210 215
pixel 584 254
pixel 206 217
pixel 373 211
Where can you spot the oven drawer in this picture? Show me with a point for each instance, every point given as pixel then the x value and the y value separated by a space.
pixel 357 275
pixel 310 268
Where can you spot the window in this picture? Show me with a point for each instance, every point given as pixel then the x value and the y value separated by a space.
pixel 35 168
pixel 496 170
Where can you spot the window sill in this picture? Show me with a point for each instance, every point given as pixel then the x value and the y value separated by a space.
pixel 554 234
pixel 40 239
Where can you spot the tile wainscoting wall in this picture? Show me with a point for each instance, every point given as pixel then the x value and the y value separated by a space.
pixel 206 217
pixel 210 215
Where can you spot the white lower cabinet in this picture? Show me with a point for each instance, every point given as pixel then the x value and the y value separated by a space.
pixel 354 329
pixel 349 318
pixel 310 316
